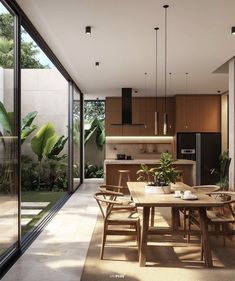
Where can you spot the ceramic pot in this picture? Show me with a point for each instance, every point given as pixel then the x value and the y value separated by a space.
pixel 158 189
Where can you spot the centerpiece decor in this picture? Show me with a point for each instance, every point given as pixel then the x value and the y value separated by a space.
pixel 159 178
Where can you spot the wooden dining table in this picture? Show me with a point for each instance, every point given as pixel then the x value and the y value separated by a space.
pixel 149 200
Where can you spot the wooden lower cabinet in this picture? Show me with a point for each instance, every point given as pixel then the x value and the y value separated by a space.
pixel 112 175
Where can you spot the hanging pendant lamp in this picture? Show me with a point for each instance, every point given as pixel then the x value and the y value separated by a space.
pixel 186 91
pixel 156 115
pixel 165 88
pixel 145 93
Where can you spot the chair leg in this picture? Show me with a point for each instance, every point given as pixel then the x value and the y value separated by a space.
pixel 184 221
pixel 202 250
pixel 189 227
pixel 138 236
pixel 103 241
pixel 224 238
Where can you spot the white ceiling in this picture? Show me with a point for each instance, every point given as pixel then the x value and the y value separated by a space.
pixel 123 40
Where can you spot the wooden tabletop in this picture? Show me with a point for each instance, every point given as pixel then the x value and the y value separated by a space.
pixel 143 199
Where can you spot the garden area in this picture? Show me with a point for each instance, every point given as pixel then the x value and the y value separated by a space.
pixel 94 119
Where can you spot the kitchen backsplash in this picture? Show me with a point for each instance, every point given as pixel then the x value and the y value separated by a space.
pixel 137 151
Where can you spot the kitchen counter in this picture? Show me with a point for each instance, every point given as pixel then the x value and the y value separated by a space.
pixel 147 161
pixel 111 167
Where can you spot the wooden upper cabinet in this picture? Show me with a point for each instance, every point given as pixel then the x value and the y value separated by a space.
pixel 143 110
pixel 198 113
pixel 113 115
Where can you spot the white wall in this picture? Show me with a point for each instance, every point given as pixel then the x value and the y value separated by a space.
pixel 45 91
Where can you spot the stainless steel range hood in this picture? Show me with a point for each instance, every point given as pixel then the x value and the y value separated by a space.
pixel 127 108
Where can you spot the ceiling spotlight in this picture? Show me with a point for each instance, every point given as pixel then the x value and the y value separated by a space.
pixel 97 63
pixel 233 30
pixel 88 30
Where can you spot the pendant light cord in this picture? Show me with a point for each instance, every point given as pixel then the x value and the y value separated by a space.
pixel 165 7
pixel 156 84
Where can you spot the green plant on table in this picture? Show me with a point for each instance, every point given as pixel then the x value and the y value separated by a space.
pixel 162 175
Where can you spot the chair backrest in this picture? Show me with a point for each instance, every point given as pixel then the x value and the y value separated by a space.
pixel 206 188
pixel 228 197
pixel 106 204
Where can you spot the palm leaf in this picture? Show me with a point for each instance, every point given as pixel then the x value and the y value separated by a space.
pixel 5 119
pixel 58 147
pixel 26 132
pixel 28 119
pixel 39 141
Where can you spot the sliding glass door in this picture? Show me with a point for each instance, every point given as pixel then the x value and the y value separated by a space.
pixel 77 136
pixel 9 217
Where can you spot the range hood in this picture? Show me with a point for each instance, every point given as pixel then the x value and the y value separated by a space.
pixel 127 108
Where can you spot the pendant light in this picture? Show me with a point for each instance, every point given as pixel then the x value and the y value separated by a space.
pixel 145 93
pixel 186 92
pixel 156 115
pixel 165 89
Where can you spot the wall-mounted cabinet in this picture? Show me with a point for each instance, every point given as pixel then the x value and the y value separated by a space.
pixel 143 110
pixel 198 113
pixel 186 113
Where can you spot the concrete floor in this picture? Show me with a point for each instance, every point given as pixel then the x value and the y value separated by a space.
pixel 60 251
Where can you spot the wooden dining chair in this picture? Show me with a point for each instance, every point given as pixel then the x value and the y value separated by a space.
pixel 110 192
pixel 221 220
pixel 125 220
pixel 198 189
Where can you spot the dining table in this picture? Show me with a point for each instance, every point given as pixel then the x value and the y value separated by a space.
pixel 147 201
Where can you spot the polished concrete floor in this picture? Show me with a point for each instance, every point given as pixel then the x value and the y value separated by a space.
pixel 59 253
pixel 60 250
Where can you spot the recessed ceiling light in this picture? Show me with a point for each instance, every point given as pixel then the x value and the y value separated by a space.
pixel 233 30
pixel 88 30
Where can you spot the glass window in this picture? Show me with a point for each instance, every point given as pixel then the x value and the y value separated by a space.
pixel 94 126
pixel 44 148
pixel 76 139
pixel 8 136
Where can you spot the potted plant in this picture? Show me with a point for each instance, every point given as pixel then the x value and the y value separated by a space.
pixel 159 178
pixel 222 174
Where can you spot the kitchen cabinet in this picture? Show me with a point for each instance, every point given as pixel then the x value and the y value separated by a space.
pixel 143 110
pixel 198 113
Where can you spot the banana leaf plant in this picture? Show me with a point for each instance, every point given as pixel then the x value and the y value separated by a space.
pixel 46 144
pixel 97 128
pixel 7 127
pixel 6 121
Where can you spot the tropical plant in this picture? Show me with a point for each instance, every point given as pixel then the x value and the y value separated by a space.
pixel 47 145
pixel 97 129
pixel 93 171
pixel 162 175
pixel 29 50
pixel 223 171
pixel 94 109
pixel 29 173
pixel 6 120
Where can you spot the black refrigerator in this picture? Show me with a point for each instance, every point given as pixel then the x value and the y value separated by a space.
pixel 205 149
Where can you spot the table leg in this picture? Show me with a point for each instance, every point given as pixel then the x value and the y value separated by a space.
pixel 175 218
pixel 152 216
pixel 205 238
pixel 144 236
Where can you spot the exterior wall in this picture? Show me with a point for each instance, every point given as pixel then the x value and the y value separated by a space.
pixel 93 155
pixel 45 91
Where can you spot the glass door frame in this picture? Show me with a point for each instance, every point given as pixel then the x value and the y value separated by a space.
pixel 15 249
pixel 72 88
